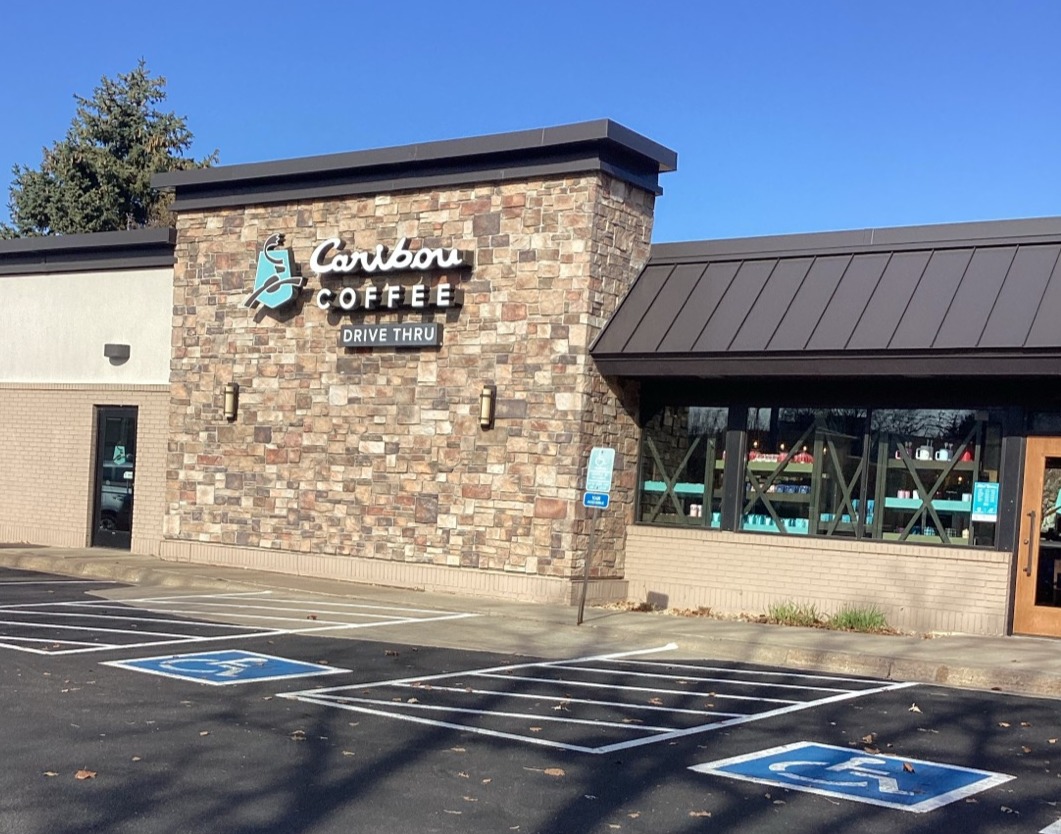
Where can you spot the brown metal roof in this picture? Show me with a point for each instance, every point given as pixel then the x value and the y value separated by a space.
pixel 960 299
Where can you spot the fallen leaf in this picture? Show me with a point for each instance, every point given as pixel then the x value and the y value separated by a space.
pixel 554 771
pixel 872 737
pixel 1026 749
pixel 311 616
pixel 136 758
pixel 298 735
pixel 412 701
pixel 462 774
pixel 1051 741
pixel 392 653
pixel 699 813
pixel 487 781
pixel 347 753
pixel 656 701
pixel 908 768
pixel 1007 810
pixel 85 774
pixel 634 815
pixel 469 799
pixel 588 796
pixel 50 773
pixel 535 729
pixel 457 750
pixel 914 708
pixel 779 802
pixel 614 825
pixel 1025 724
pixel 1003 724
pixel 204 732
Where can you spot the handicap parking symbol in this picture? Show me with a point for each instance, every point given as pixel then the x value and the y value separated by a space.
pixel 221 668
pixel 843 773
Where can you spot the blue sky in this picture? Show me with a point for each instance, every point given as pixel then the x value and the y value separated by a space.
pixel 786 116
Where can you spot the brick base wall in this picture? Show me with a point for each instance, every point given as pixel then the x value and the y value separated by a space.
pixel 917 588
pixel 48 447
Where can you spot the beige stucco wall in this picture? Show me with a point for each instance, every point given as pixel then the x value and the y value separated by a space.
pixel 53 326
pixel 918 588
pixel 341 459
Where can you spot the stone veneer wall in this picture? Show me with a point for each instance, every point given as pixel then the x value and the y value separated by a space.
pixel 377 453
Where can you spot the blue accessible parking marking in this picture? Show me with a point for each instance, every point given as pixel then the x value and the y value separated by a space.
pixel 890 781
pixel 225 667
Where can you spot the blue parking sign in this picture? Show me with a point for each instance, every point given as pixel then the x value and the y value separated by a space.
pixel 223 668
pixel 844 773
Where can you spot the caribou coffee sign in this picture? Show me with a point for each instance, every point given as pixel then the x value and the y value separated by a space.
pixel 273 288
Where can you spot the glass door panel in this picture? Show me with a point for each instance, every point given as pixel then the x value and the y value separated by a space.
pixel 114 483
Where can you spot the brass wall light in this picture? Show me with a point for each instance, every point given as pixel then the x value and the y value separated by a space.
pixel 231 400
pixel 487 398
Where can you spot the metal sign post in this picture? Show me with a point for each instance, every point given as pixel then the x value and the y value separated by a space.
pixel 595 498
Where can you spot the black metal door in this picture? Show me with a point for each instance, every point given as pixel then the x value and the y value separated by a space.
pixel 112 515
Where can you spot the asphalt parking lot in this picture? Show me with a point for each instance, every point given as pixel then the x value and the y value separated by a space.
pixel 276 713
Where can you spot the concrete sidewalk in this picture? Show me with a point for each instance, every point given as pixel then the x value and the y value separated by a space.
pixel 1010 664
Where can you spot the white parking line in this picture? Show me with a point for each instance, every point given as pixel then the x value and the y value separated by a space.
pixel 696 678
pixel 616 715
pixel 57 582
pixel 617 688
pixel 183 618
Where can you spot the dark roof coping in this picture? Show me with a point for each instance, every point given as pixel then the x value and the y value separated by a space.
pixel 596 145
pixel 934 236
pixel 134 249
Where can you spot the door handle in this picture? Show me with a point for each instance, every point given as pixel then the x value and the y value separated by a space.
pixel 1028 541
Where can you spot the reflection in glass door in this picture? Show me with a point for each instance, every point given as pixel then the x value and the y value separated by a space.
pixel 1037 603
pixel 115 466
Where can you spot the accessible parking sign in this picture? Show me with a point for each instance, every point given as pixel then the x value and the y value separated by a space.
pixel 843 773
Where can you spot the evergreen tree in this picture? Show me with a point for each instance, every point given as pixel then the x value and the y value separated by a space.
pixel 98 178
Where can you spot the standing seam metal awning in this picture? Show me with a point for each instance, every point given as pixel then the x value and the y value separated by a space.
pixel 964 299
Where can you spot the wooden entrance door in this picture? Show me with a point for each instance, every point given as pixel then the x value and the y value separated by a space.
pixel 1037 600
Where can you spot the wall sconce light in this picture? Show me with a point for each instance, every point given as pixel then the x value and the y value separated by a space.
pixel 116 353
pixel 231 400
pixel 487 398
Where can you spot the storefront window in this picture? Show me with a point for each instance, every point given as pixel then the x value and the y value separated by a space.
pixel 804 473
pixel 910 475
pixel 937 476
pixel 682 459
